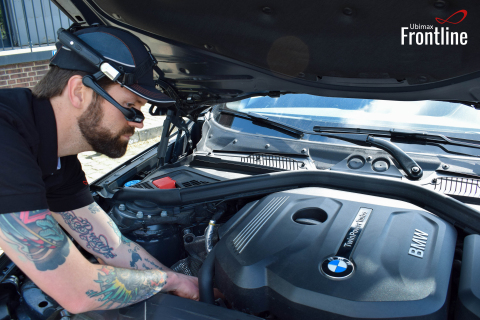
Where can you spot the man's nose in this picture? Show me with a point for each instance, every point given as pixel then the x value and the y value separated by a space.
pixel 136 124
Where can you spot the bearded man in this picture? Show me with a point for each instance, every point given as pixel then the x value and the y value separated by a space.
pixel 73 109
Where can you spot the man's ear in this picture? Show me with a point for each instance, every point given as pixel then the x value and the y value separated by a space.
pixel 79 95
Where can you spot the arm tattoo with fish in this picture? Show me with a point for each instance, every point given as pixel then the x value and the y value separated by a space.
pixel 37 236
pixel 121 287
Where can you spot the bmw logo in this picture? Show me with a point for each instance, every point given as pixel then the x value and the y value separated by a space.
pixel 337 268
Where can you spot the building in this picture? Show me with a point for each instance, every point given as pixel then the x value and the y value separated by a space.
pixel 28 30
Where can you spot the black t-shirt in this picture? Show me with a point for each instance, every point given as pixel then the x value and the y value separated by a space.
pixel 29 178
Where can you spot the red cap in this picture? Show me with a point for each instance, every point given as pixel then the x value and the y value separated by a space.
pixel 164 183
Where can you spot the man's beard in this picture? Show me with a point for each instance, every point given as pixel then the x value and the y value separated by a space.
pixel 100 138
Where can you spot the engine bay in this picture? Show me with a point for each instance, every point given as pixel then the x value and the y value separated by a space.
pixel 292 241
pixel 305 235
pixel 314 252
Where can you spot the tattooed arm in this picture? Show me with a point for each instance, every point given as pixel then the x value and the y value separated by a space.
pixel 95 231
pixel 38 246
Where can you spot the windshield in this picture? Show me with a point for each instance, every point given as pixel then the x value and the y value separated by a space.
pixel 306 111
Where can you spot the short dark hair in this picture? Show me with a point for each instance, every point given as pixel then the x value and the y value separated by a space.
pixel 56 79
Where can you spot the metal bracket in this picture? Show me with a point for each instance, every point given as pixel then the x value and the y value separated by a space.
pixel 162 146
pixel 180 149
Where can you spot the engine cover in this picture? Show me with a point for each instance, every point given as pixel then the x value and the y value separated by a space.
pixel 315 253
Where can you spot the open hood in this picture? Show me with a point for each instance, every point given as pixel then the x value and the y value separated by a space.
pixel 217 51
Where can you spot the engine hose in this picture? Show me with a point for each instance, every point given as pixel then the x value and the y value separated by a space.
pixel 210 228
pixel 205 279
pixel 218 214
pixel 209 236
pixel 442 205
pixel 183 218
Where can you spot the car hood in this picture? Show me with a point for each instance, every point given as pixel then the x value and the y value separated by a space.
pixel 217 51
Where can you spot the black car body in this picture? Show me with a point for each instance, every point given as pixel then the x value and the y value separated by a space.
pixel 325 161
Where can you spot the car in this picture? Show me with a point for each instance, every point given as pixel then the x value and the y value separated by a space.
pixel 324 162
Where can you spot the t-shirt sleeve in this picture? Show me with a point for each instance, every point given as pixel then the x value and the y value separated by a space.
pixel 21 184
pixel 73 192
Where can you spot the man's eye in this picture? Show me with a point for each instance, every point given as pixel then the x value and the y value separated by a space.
pixel 130 105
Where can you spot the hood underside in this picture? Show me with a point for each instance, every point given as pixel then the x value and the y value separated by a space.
pixel 217 51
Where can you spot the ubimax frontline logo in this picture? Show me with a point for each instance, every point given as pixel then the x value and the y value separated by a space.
pixel 437 36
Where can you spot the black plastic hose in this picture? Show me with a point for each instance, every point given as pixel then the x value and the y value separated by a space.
pixel 205 279
pixel 218 214
pixel 447 208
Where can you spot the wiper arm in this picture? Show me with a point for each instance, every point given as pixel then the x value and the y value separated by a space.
pixel 411 168
pixel 257 118
pixel 404 136
pixel 474 105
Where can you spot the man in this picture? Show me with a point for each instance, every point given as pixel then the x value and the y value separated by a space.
pixel 43 185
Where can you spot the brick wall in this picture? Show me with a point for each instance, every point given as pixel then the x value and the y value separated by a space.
pixel 25 75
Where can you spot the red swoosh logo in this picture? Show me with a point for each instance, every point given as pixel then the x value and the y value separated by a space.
pixel 32 216
pixel 464 12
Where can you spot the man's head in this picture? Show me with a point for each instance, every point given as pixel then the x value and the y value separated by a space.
pixel 101 124
pixel 113 52
pixel 96 128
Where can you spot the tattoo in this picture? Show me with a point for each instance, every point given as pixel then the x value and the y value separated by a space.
pixel 98 244
pixel 37 236
pixel 121 287
pixel 135 257
pixel 125 240
pixel 118 233
pixel 94 208
pixel 153 264
pixel 146 268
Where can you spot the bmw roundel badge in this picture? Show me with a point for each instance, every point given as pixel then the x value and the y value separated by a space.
pixel 337 268
pixel 340 266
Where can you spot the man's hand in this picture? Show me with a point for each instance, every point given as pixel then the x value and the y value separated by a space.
pixel 186 286
pixel 182 285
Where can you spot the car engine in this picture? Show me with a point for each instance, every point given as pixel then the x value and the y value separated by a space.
pixel 281 250
pixel 315 253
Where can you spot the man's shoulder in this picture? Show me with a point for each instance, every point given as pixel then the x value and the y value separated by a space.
pixel 13 96
pixel 16 113
pixel 16 102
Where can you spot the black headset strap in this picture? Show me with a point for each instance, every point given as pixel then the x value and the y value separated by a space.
pixel 130 114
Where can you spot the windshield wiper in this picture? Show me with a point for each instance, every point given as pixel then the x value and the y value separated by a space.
pixel 404 136
pixel 263 120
